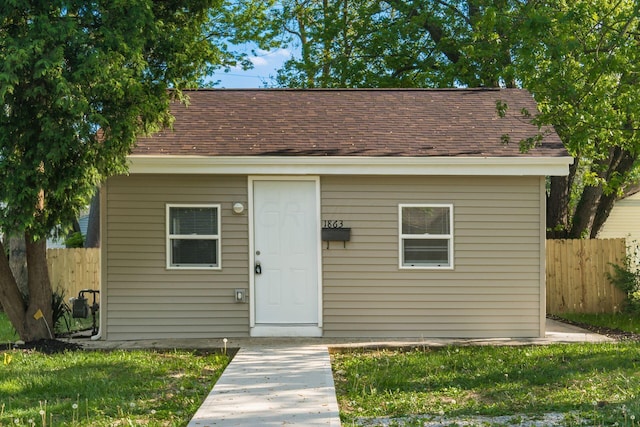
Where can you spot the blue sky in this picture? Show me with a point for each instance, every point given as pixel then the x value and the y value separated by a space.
pixel 265 65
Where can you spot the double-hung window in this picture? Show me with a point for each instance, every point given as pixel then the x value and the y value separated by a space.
pixel 426 235
pixel 193 236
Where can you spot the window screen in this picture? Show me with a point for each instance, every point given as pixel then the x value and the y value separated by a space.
pixel 426 235
pixel 193 239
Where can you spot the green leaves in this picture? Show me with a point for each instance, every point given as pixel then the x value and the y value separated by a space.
pixel 80 81
pixel 581 60
pixel 400 43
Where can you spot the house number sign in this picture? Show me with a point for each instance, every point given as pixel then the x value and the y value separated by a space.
pixel 334 230
pixel 333 223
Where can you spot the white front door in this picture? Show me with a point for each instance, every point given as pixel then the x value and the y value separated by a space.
pixel 285 255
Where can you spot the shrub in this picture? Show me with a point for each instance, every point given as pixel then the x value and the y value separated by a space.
pixel 626 277
pixel 75 240
pixel 59 310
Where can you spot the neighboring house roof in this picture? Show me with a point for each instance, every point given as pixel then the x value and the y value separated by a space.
pixel 355 124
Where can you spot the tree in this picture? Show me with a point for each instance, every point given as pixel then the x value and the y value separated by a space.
pixel 364 43
pixel 582 62
pixel 579 59
pixel 79 82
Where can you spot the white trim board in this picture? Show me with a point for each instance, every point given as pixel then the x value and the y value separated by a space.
pixel 341 165
pixel 311 331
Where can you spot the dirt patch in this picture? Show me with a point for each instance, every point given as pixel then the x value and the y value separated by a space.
pixel 43 346
pixel 616 334
pixel 518 420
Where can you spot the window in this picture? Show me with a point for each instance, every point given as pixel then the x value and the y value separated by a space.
pixel 193 236
pixel 426 236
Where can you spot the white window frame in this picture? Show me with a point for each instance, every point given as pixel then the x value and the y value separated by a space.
pixel 216 237
pixel 402 237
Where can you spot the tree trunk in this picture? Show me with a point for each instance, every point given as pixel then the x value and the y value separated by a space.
pixel 20 313
pixel 92 239
pixel 305 48
pixel 325 77
pixel 602 213
pixel 40 293
pixel 558 208
pixel 585 212
pixel 594 206
pixel 18 262
pixel 12 300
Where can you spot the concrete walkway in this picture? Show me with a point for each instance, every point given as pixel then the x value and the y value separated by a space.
pixel 273 386
pixel 288 381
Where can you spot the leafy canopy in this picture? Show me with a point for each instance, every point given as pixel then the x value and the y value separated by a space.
pixel 396 43
pixel 79 81
pixel 580 59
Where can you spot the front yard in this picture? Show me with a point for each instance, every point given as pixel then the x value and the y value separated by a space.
pixel 596 383
pixel 98 388
pixel 103 388
pixel 580 384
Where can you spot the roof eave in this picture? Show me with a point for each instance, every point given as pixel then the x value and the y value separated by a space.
pixel 349 165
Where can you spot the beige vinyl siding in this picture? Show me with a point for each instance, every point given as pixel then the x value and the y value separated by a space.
pixel 494 289
pixel 144 300
pixel 624 220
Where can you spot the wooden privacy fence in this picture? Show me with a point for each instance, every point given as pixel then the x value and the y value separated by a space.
pixel 72 270
pixel 577 275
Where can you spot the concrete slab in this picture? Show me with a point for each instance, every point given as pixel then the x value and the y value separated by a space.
pixel 268 386
pixel 556 333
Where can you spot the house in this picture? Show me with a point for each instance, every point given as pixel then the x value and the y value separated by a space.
pixel 333 213
pixel 623 221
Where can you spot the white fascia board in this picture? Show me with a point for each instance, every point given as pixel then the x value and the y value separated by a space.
pixel 316 165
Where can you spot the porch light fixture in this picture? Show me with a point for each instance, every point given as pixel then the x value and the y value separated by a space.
pixel 238 208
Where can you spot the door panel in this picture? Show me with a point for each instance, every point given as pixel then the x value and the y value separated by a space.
pixel 286 247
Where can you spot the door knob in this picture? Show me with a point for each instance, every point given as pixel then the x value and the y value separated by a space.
pixel 258 268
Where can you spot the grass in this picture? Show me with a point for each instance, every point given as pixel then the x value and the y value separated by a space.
pixel 622 321
pixel 598 382
pixel 7 332
pixel 94 388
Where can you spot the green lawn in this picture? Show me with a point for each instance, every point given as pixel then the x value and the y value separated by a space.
pixel 597 382
pixel 98 388
pixel 594 383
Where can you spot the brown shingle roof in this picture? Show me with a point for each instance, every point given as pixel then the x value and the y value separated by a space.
pixel 350 122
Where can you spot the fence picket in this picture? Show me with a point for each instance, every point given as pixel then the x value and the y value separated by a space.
pixel 72 270
pixel 577 275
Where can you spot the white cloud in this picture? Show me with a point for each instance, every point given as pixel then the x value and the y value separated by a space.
pixel 258 61
pixel 275 53
pixel 265 66
pixel 270 57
